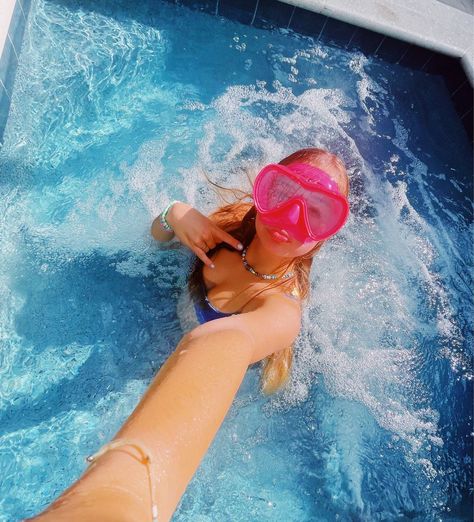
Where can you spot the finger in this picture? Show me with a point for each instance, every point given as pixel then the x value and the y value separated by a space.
pixel 207 243
pixel 211 244
pixel 203 246
pixel 202 256
pixel 224 236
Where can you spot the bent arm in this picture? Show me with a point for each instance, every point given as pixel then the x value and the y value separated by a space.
pixel 176 420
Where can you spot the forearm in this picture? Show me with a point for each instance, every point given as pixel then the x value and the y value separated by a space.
pixel 177 420
pixel 188 401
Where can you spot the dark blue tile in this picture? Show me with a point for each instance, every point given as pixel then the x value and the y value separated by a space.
pixel 448 67
pixel 415 57
pixel 8 65
pixel 468 123
pixel 208 6
pixel 271 13
pixel 365 40
pixel 240 10
pixel 462 98
pixel 391 49
pixel 337 32
pixel 306 22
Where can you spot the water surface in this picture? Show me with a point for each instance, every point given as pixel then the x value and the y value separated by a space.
pixel 116 110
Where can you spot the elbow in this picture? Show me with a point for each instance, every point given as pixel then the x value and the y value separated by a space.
pixel 153 229
pixel 158 233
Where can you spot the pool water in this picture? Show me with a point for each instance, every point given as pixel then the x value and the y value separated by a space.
pixel 119 108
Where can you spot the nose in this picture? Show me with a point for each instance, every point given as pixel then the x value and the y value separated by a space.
pixel 293 213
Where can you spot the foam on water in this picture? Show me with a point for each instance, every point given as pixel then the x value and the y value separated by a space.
pixel 112 123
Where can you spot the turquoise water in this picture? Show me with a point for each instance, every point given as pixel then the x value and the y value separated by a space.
pixel 116 110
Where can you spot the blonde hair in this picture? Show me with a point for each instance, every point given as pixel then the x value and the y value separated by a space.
pixel 238 219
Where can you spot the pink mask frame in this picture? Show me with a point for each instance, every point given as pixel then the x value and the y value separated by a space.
pixel 322 209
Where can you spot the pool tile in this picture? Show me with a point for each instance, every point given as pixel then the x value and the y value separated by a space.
pixel 365 40
pixel 26 5
pixel 271 13
pixel 4 109
pixel 3 122
pixel 8 64
pixel 240 10
pixel 308 23
pixel 208 6
pixel 337 32
pixel 450 68
pixel 462 98
pixel 415 57
pixel 467 121
pixel 391 49
pixel 17 27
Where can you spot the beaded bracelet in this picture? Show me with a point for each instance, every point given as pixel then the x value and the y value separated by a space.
pixel 162 216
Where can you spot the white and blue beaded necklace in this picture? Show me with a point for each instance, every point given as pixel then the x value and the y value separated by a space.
pixel 263 276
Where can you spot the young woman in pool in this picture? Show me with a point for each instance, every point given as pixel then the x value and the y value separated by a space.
pixel 249 305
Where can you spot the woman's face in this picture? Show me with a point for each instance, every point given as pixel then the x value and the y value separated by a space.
pixel 288 243
pixel 279 242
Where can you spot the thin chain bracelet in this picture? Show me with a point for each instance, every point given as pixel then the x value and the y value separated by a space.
pixel 162 216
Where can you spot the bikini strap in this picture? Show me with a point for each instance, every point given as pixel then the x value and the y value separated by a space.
pixel 145 458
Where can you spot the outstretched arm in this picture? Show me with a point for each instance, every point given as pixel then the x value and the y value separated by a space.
pixel 176 421
pixel 178 417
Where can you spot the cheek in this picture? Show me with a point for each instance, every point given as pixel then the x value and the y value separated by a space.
pixel 259 229
pixel 264 237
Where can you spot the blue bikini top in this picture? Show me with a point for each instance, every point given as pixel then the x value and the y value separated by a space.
pixel 204 310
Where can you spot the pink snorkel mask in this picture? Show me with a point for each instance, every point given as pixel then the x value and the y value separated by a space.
pixel 301 199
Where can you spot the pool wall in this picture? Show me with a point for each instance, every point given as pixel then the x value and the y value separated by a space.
pixel 412 35
pixel 12 27
pixel 370 29
pixel 430 24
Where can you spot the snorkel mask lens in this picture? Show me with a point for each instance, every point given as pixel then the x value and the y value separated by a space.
pixel 279 190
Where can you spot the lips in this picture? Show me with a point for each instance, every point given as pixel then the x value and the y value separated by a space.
pixel 280 236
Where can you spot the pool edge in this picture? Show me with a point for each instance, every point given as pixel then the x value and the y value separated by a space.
pixel 12 27
pixel 416 23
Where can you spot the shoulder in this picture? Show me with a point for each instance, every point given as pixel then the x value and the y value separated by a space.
pixel 287 294
pixel 287 299
pixel 275 298
pixel 272 324
pixel 277 306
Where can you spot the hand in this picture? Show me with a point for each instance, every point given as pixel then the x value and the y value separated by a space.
pixel 197 232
